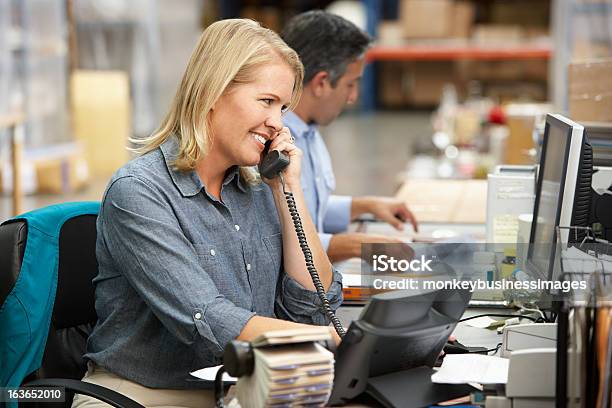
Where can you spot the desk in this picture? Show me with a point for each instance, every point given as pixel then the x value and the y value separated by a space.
pixel 446 201
pixel 11 122
pixel 470 336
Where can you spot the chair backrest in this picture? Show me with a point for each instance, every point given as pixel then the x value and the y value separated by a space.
pixel 74 313
pixel 50 253
pixel 13 236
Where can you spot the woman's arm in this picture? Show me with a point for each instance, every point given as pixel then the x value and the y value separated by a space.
pixel 258 325
pixel 294 262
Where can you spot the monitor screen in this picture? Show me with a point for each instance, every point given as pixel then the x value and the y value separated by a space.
pixel 558 177
pixel 552 169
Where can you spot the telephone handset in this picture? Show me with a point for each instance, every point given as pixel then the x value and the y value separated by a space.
pixel 271 166
pixel 273 162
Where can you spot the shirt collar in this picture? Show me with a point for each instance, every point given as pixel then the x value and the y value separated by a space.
pixel 298 126
pixel 234 174
pixel 188 182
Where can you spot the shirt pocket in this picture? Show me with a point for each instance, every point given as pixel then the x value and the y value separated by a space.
pixel 216 261
pixel 209 259
pixel 207 253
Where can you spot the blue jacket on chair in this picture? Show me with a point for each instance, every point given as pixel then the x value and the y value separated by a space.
pixel 25 316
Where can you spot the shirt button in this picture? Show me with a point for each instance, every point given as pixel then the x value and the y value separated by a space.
pixel 318 179
pixel 237 227
pixel 212 252
pixel 198 316
pixel 248 267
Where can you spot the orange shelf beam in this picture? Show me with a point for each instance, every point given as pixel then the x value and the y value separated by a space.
pixel 437 52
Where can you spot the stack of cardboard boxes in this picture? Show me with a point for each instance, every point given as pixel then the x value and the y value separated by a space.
pixel 459 23
pixel 436 18
pixel 590 95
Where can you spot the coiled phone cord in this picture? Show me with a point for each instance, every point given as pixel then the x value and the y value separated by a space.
pixel 314 275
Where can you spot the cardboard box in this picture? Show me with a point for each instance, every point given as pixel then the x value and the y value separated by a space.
pixel 496 34
pixel 505 70
pixel 527 13
pixel 512 91
pixel 588 49
pixel 462 19
pixel 60 168
pixel 416 84
pixel 51 169
pixel 590 96
pixel 392 84
pixel 426 18
pixel 521 118
pixel 102 118
pixel 390 33
pixel 426 80
pixel 61 175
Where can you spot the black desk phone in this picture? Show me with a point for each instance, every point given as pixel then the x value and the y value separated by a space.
pixel 389 351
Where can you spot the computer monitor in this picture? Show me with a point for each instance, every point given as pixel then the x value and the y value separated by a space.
pixel 563 193
pixel 396 331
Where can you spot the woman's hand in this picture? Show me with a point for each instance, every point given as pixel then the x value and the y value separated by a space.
pixel 335 336
pixel 283 142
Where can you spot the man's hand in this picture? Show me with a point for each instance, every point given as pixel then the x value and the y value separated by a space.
pixel 387 209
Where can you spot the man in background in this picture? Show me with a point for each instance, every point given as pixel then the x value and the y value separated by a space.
pixel 332 50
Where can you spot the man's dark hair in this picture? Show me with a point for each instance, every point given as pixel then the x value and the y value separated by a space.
pixel 325 42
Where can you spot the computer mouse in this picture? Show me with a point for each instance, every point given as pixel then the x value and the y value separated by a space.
pixel 454 347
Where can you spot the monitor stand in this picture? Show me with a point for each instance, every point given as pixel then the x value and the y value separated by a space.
pixel 413 388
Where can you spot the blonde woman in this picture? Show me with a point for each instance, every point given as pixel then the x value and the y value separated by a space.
pixel 193 251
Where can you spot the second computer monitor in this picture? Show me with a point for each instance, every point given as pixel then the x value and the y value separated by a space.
pixel 563 193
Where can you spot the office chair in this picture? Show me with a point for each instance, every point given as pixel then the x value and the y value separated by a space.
pixel 47 263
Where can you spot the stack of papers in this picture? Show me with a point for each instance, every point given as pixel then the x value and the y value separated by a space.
pixel 472 368
pixel 288 375
pixel 288 336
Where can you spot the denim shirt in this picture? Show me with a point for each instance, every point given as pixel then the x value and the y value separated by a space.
pixel 181 273
pixel 330 213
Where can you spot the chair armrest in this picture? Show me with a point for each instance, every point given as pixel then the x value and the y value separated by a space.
pixel 93 390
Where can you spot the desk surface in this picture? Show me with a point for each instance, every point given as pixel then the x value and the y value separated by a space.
pixel 446 201
pixel 428 230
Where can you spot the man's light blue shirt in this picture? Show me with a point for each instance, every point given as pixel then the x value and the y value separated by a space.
pixel 330 213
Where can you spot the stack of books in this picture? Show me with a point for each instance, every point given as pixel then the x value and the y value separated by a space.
pixel 291 369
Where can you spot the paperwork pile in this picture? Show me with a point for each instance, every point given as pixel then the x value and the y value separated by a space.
pixel 472 368
pixel 289 374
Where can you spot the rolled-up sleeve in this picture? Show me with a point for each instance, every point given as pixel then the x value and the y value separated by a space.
pixel 299 304
pixel 337 214
pixel 143 236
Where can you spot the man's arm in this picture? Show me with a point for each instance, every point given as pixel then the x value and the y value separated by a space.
pixel 337 214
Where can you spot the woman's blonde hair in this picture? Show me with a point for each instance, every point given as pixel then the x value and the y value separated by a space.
pixel 227 54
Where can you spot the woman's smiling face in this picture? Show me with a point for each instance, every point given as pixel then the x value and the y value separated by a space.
pixel 249 114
